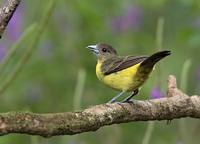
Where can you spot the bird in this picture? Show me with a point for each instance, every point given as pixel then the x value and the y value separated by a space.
pixel 123 73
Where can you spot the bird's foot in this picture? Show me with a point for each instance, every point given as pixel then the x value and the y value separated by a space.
pixel 129 101
pixel 114 98
pixel 111 101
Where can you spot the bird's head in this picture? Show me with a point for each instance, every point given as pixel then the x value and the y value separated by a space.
pixel 103 51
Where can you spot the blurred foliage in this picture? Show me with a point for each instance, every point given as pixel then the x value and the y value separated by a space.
pixel 48 81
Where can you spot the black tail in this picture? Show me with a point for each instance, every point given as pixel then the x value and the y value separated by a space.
pixel 153 59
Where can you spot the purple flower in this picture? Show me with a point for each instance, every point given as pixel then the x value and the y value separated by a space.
pixel 156 93
pixel 14 29
pixel 131 19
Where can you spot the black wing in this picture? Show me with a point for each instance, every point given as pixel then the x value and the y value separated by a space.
pixel 116 64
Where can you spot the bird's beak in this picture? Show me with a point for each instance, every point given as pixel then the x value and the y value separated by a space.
pixel 94 49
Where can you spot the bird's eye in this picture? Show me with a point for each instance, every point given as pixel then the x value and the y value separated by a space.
pixel 104 50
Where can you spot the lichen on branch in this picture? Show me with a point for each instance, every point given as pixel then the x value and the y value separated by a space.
pixel 175 105
pixel 6 13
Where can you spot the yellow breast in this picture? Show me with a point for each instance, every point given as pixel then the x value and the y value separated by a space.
pixel 124 80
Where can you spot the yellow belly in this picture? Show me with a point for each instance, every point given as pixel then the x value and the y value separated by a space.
pixel 124 80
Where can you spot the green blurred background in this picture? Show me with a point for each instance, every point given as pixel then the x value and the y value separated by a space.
pixel 60 75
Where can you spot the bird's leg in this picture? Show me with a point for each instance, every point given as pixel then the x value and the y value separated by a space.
pixel 135 92
pixel 117 96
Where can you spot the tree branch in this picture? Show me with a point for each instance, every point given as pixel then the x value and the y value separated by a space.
pixel 6 13
pixel 175 105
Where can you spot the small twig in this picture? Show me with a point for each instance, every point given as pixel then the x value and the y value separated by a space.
pixel 148 133
pixel 79 89
pixel 69 123
pixel 6 14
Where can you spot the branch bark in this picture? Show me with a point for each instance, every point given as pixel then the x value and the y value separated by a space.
pixel 6 13
pixel 176 105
